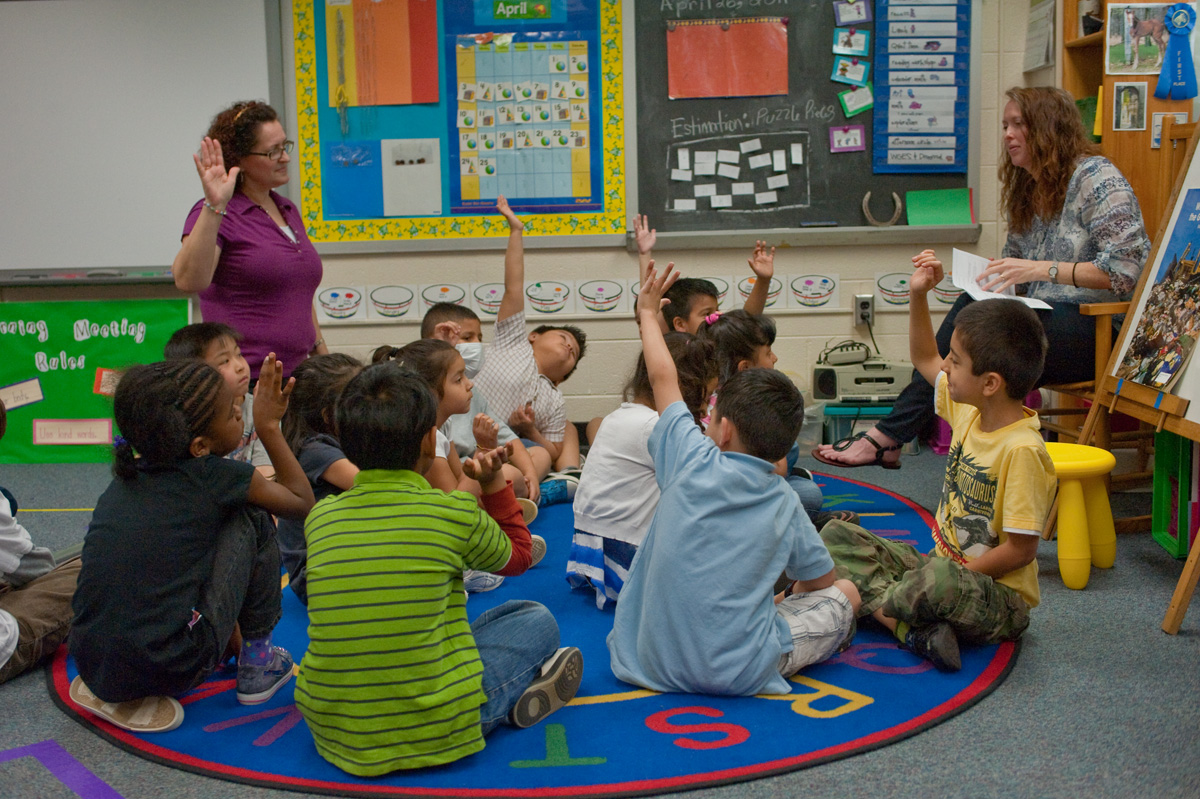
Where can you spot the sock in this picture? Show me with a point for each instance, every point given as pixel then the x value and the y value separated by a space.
pixel 255 652
pixel 901 631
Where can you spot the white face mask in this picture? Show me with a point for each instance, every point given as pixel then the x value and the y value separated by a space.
pixel 472 355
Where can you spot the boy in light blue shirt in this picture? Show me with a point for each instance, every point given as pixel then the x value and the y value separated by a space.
pixel 697 613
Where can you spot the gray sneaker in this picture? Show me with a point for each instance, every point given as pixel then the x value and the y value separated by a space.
pixel 539 550
pixel 554 687
pixel 476 582
pixel 257 684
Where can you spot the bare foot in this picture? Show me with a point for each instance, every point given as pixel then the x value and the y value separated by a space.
pixel 862 451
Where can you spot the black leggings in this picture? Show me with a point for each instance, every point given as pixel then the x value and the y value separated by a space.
pixel 1070 358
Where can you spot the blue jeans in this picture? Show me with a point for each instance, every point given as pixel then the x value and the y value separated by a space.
pixel 513 640
pixel 809 492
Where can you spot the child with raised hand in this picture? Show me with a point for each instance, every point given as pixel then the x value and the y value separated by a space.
pixel 522 372
pixel 309 426
pixel 617 492
pixel 181 548
pixel 385 564
pixel 219 346
pixel 980 582
pixel 742 340
pixel 697 613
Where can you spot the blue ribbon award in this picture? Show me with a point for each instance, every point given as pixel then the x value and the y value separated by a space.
pixel 1177 81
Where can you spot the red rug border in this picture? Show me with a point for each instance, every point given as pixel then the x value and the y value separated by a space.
pixel 989 680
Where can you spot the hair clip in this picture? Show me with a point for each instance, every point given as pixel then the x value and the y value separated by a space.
pixel 119 441
pixel 712 317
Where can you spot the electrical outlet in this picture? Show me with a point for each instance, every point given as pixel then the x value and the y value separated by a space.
pixel 864 309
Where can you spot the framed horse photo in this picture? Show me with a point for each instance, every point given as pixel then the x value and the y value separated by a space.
pixel 1136 38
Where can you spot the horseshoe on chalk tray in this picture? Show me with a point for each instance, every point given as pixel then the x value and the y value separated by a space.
pixel 866 206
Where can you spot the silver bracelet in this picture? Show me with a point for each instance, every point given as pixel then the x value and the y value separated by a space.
pixel 213 208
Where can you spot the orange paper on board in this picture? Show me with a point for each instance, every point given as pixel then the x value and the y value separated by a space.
pixel 386 50
pixel 727 58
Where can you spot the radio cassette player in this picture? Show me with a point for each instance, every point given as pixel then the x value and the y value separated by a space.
pixel 872 381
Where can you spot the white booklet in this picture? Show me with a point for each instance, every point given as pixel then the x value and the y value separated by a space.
pixel 965 271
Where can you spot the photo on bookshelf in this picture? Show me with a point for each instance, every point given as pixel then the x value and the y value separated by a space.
pixel 1136 38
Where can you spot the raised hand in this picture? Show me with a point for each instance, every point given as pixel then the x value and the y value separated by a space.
pixel 762 263
pixel 218 183
pixel 449 332
pixel 645 236
pixel 486 431
pixel 928 272
pixel 514 222
pixel 270 394
pixel 650 298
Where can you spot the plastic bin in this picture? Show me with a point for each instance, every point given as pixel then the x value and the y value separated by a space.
pixel 843 419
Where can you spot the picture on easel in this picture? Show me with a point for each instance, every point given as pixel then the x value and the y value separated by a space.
pixel 1166 335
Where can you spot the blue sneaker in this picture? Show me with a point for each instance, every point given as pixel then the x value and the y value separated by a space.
pixel 476 582
pixel 558 487
pixel 257 684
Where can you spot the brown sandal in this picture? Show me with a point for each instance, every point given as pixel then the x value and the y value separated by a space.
pixel 846 443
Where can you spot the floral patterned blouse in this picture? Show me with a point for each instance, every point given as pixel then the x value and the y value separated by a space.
pixel 1100 222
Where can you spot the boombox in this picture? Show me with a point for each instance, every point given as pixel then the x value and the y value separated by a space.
pixel 869 381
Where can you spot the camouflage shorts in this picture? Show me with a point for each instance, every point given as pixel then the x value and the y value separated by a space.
pixel 920 589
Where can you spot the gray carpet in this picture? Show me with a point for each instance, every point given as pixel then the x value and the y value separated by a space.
pixel 1101 702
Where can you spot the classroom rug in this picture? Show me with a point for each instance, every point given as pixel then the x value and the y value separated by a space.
pixel 613 739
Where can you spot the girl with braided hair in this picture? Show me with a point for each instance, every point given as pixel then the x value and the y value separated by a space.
pixel 180 562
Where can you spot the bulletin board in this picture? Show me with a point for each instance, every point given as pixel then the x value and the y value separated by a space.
pixel 413 116
pixel 802 152
pixel 60 367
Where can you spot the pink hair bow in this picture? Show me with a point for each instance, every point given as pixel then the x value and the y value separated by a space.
pixel 712 317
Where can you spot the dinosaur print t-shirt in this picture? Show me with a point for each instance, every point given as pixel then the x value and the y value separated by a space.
pixel 997 484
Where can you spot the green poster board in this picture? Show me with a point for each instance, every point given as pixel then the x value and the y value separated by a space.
pixel 60 364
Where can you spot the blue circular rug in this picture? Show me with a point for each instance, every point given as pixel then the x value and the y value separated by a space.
pixel 613 739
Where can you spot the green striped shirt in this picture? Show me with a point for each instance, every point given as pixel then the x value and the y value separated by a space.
pixel 391 679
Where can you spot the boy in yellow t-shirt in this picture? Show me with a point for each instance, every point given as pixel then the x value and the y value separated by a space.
pixel 980 582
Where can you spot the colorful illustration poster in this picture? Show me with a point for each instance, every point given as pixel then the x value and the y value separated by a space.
pixel 61 363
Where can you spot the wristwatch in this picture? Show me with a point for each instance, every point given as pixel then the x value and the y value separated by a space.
pixel 1053 272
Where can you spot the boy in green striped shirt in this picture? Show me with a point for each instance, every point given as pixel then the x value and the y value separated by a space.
pixel 395 677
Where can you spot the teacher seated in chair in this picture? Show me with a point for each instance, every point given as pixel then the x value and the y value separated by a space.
pixel 1075 235
pixel 245 250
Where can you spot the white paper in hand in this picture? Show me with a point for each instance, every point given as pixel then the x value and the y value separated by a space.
pixel 965 270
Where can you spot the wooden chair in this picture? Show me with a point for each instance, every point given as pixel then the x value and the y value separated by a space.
pixel 1094 427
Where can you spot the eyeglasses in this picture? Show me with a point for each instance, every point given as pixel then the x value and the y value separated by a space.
pixel 275 153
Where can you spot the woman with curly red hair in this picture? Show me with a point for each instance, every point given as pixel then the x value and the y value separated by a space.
pixel 245 250
pixel 1075 235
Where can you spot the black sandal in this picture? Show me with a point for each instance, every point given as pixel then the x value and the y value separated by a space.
pixel 846 443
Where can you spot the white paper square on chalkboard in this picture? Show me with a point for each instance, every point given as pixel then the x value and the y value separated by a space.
pixel 851 12
pixel 729 171
pixel 721 201
pixel 705 168
pixel 760 160
pixel 681 174
pixel 751 145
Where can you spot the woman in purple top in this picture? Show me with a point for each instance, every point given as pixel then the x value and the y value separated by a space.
pixel 245 251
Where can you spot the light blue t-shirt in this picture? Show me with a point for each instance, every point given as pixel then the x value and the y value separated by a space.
pixel 697 614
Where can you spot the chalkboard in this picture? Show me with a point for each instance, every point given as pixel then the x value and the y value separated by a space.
pixel 824 188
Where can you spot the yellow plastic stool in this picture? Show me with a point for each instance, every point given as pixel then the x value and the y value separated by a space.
pixel 1086 536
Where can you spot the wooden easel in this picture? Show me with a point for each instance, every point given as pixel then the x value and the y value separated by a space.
pixel 1163 411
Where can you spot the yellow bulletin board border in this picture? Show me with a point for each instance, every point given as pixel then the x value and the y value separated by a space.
pixel 610 221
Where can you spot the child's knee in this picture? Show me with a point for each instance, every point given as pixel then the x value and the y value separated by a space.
pixel 851 591
pixel 513 475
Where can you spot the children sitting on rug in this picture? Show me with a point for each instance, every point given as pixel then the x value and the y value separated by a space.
pixel 180 554
pixel 617 492
pixel 218 346
pixel 743 340
pixel 308 427
pixel 461 327
pixel 521 373
pixel 395 676
pixel 35 594
pixel 697 612
pixel 980 582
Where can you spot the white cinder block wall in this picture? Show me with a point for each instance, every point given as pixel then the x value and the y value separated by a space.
pixel 612 343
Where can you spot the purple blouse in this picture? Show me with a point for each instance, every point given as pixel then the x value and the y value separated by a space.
pixel 264 283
